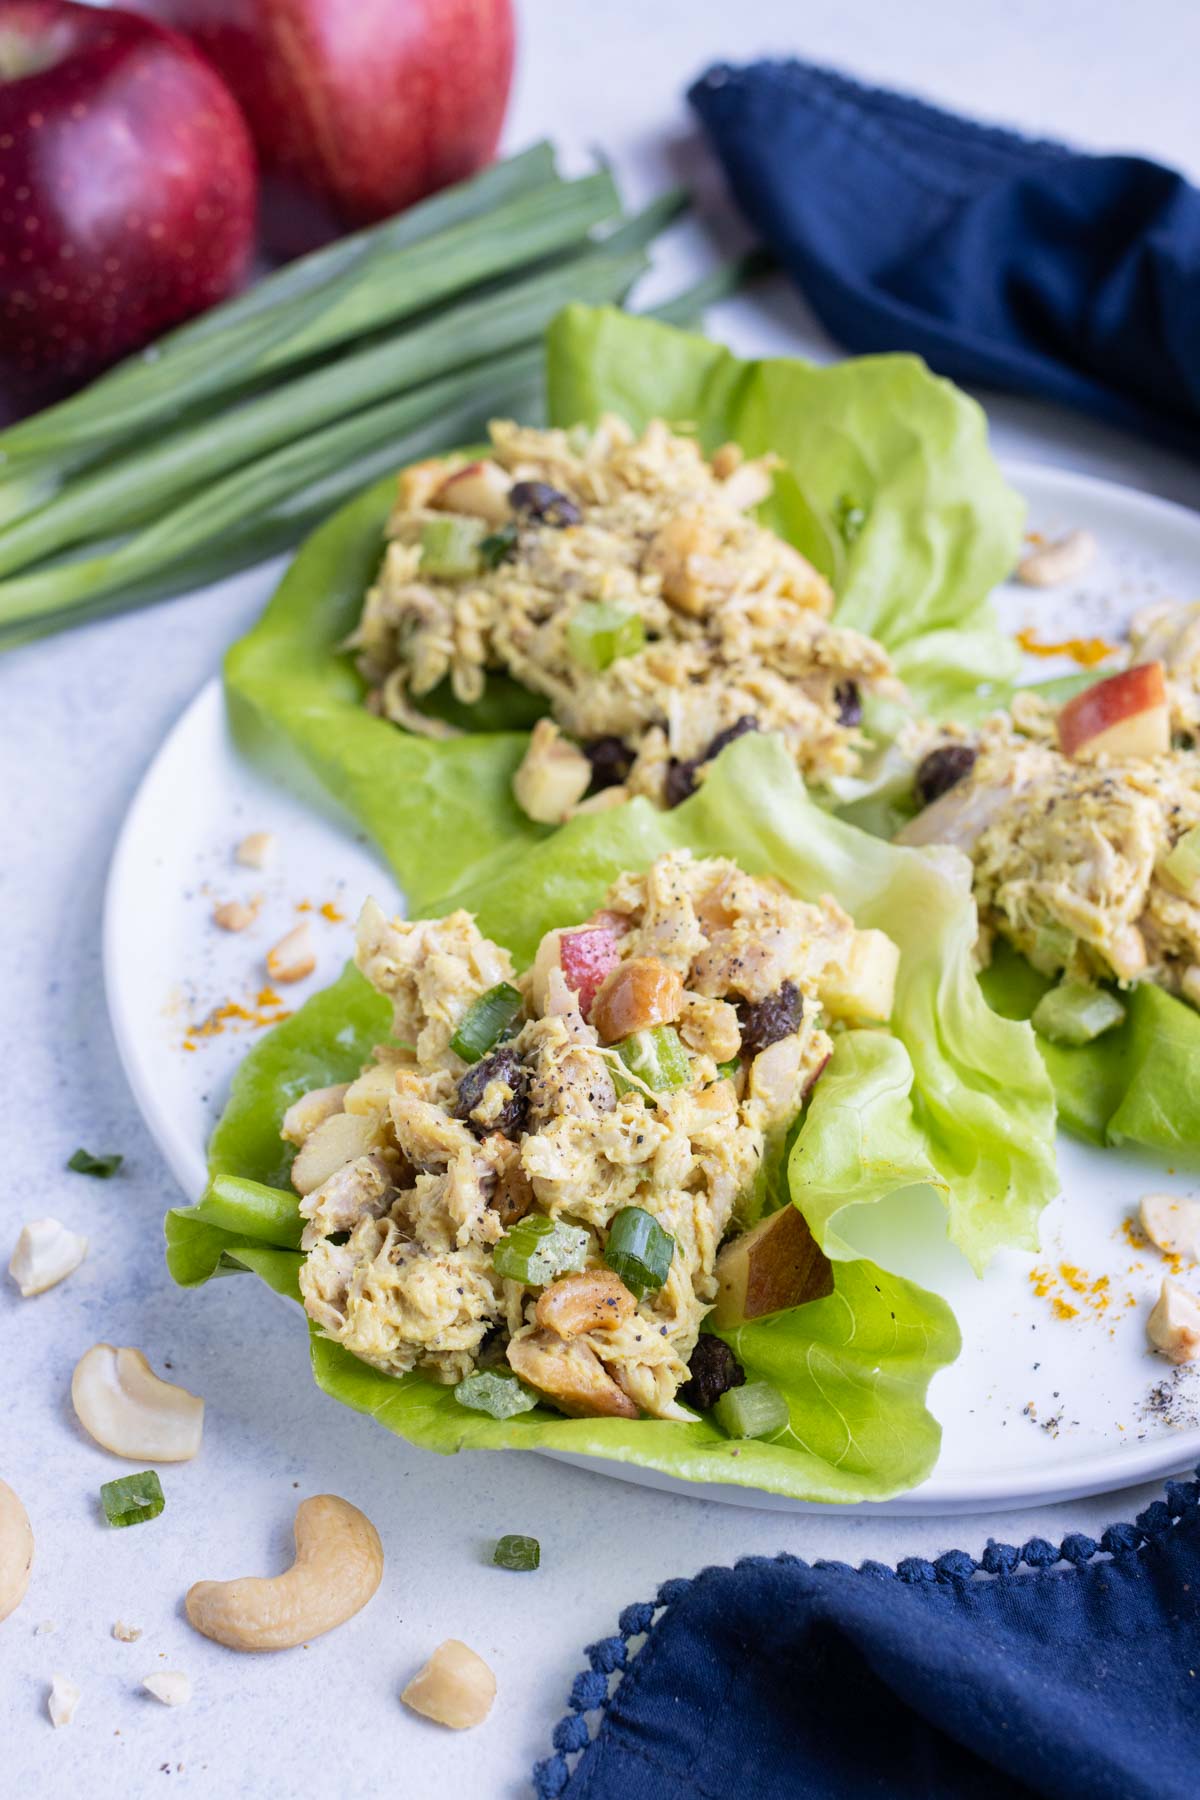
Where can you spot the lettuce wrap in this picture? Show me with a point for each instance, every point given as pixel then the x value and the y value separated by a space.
pixel 952 1096
pixel 936 528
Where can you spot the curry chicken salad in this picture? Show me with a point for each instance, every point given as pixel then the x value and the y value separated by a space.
pixel 542 1194
pixel 622 579
pixel 1083 827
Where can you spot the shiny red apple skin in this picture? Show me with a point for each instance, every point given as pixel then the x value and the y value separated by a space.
pixel 359 107
pixel 127 189
pixel 1126 715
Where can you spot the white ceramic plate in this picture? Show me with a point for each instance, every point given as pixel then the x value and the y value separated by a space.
pixel 1044 1403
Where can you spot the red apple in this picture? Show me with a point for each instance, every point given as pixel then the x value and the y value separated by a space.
pixel 1125 716
pixel 127 188
pixel 358 107
pixel 586 957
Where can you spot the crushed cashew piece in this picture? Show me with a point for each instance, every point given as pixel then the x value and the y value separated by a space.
pixel 1050 565
pixel 257 850
pixel 170 1686
pixel 62 1700
pixel 236 915
pixel 46 1253
pixel 293 956
pixel 44 1628
pixel 126 1634
pixel 455 1688
pixel 1172 1224
pixel 1174 1326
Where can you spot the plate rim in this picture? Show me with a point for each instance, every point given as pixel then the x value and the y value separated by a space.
pixel 1109 1471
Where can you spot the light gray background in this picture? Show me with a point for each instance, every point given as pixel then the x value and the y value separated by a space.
pixel 82 716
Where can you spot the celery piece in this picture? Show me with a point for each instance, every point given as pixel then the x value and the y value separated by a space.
pixel 639 1250
pixel 753 1411
pixel 537 1249
pixel 599 632
pixel 486 1021
pixel 1053 943
pixel 1073 1013
pixel 657 1057
pixel 502 1396
pixel 513 1551
pixel 132 1499
pixel 450 547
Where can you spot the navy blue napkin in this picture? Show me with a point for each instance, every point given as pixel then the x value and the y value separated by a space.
pixel 1077 1678
pixel 1004 262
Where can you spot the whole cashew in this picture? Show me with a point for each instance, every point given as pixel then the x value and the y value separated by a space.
pixel 338 1566
pixel 16 1551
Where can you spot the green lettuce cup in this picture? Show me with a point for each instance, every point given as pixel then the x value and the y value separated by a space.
pixel 951 1097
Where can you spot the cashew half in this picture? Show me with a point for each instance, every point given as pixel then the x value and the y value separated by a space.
pixel 122 1403
pixel 338 1566
pixel 16 1551
pixel 1049 565
pixel 455 1688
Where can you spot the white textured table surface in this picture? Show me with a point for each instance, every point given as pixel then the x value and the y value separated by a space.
pixel 82 716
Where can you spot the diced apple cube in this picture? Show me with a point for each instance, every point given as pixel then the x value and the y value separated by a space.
pixel 480 489
pixel 553 777
pixel 341 1139
pixel 1125 716
pixel 586 957
pixel 861 989
pixel 773 1266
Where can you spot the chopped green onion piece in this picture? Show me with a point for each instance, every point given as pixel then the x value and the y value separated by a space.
pixel 727 1070
pixel 849 517
pixel 753 1411
pixel 516 1552
pixel 537 1249
pixel 1075 1014
pixel 103 1167
pixel 499 547
pixel 657 1057
pixel 639 1250
pixel 500 1395
pixel 1053 943
pixel 600 632
pixel 450 547
pixel 486 1021
pixel 132 1499
pixel 1183 864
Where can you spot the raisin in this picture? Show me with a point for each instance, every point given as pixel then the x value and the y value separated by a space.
pixel 504 1065
pixel 680 782
pixel 611 762
pixel 543 504
pixel 943 769
pixel 766 1021
pixel 848 701
pixel 729 736
pixel 712 1371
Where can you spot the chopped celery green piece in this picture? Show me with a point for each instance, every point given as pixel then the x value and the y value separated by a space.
pixel 1183 864
pixel 599 632
pixel 516 1552
pixel 502 1396
pixel 450 547
pixel 639 1250
pixel 727 1070
pixel 132 1499
pixel 537 1249
pixel 500 546
pixel 102 1167
pixel 753 1411
pixel 1075 1014
pixel 486 1021
pixel 657 1057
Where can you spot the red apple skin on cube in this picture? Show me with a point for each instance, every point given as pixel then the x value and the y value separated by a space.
pixel 1125 716
pixel 358 107
pixel 127 189
pixel 586 957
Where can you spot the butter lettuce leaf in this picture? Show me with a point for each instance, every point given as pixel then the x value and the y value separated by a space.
pixel 1139 1083
pixel 877 436
pixel 952 1096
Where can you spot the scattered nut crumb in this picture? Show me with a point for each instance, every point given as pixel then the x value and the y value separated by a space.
pixel 236 915
pixel 455 1688
pixel 292 957
pixel 257 850
pixel 170 1686
pixel 44 1628
pixel 126 1634
pixel 62 1700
